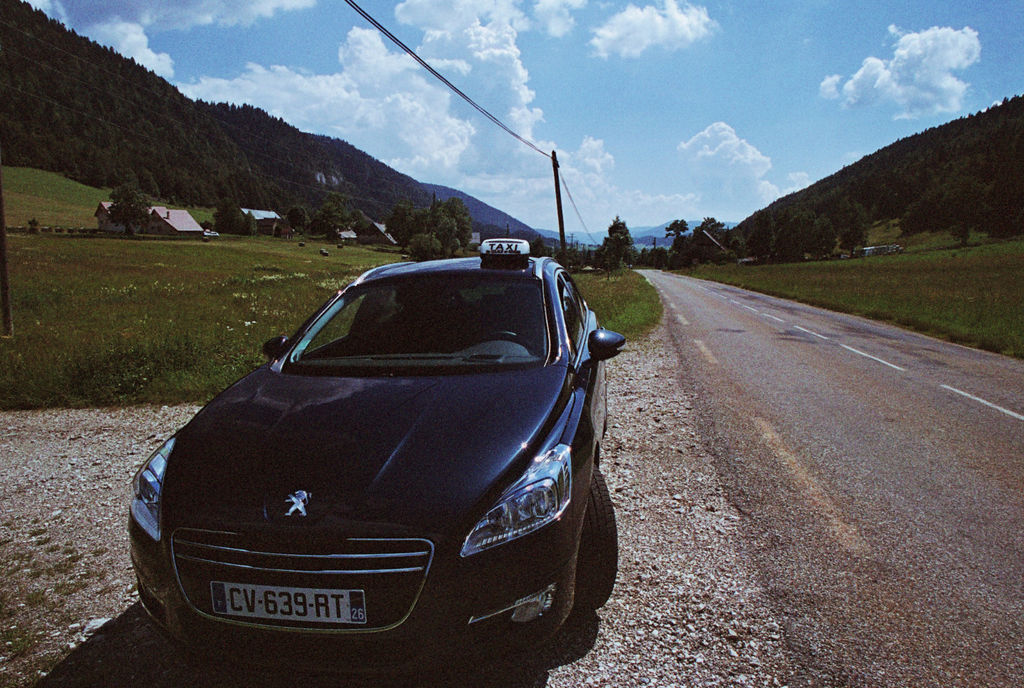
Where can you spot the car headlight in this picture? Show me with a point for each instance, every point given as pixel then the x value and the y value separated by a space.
pixel 539 497
pixel 146 488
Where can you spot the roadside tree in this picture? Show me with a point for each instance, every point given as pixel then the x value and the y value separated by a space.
pixel 616 247
pixel 425 247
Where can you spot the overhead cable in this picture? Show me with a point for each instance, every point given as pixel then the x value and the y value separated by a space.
pixel 412 53
pixel 573 202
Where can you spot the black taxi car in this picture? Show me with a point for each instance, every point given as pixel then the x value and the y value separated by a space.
pixel 413 477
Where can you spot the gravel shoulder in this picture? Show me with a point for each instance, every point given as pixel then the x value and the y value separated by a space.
pixel 686 611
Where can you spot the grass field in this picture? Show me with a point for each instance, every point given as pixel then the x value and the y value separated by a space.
pixel 100 321
pixel 55 201
pixel 104 321
pixel 624 302
pixel 974 295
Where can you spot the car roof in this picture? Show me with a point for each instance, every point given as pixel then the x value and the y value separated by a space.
pixel 535 269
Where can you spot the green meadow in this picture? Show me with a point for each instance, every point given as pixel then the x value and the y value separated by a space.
pixel 973 295
pixel 104 321
pixel 625 302
pixel 54 201
pixel 101 321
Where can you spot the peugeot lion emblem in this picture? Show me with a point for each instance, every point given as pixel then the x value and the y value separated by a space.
pixel 298 499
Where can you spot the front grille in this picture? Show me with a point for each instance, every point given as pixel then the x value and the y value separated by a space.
pixel 390 572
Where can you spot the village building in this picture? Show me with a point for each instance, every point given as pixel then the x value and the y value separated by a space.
pixel 168 222
pixel 269 223
pixel 162 221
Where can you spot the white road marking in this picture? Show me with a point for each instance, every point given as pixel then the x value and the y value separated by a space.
pixel 962 393
pixel 810 332
pixel 749 308
pixel 706 352
pixel 873 358
pixel 682 321
pixel 769 315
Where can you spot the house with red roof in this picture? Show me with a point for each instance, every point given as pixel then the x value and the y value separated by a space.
pixel 162 221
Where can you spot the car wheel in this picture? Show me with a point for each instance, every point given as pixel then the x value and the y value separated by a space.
pixel 597 563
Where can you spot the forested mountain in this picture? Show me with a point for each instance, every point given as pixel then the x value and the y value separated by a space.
pixel 962 176
pixel 74 107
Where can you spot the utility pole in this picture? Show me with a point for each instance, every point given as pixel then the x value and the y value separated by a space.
pixel 558 203
pixel 5 285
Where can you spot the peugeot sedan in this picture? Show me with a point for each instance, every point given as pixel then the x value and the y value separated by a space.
pixel 414 476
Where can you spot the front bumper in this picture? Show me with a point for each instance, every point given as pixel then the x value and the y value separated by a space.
pixel 462 611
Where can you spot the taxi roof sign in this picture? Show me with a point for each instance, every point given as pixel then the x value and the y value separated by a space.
pixel 505 253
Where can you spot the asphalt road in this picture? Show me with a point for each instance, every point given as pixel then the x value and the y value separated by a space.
pixel 881 477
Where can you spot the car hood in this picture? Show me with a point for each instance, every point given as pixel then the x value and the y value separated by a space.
pixel 419 453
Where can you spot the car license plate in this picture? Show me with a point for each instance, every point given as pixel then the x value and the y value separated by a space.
pixel 316 605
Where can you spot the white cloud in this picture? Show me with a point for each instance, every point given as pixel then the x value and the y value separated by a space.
pixel 633 30
pixel 52 8
pixel 181 14
pixel 919 77
pixel 588 173
pixel 720 146
pixel 797 181
pixel 829 87
pixel 382 102
pixel 728 173
pixel 451 17
pixel 592 155
pixel 125 25
pixel 555 15
pixel 130 40
pixel 380 99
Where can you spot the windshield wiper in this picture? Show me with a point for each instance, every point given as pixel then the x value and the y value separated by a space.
pixel 411 357
pixel 483 358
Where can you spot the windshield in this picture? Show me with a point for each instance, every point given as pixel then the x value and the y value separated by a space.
pixel 428 322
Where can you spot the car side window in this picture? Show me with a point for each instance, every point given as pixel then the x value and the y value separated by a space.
pixel 572 312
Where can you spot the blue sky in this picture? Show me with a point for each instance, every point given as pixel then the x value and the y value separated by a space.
pixel 658 109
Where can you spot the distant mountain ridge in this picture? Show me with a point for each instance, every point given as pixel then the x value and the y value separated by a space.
pixel 79 109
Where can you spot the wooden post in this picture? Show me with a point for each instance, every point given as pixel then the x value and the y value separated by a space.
pixel 5 285
pixel 558 203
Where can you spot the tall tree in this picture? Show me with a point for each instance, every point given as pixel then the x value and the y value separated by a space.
pixel 298 218
pixel 333 215
pixel 402 222
pixel 459 213
pixel 616 246
pixel 228 218
pixel 708 239
pixel 823 238
pixel 761 235
pixel 129 208
pixel 676 229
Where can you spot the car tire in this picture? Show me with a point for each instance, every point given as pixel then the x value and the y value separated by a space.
pixel 597 563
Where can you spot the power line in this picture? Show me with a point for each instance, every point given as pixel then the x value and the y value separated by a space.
pixel 577 210
pixel 423 63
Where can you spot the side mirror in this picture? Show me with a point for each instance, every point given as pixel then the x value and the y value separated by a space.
pixel 605 344
pixel 273 348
